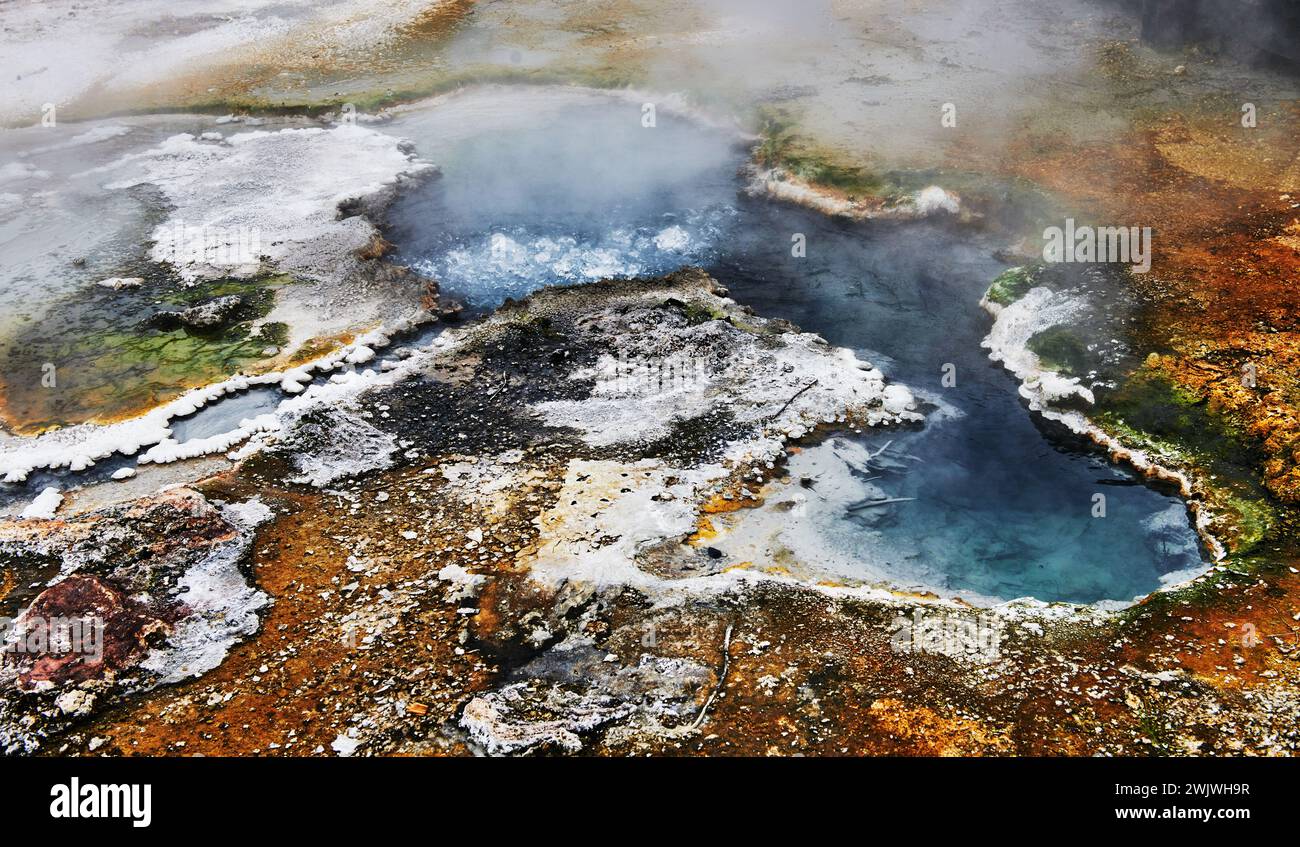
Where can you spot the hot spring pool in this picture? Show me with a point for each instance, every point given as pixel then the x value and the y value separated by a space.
pixel 566 188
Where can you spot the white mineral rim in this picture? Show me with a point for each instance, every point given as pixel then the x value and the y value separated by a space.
pixel 1039 309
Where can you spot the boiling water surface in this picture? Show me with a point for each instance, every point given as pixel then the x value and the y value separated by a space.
pixel 561 188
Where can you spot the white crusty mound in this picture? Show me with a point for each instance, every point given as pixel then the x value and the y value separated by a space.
pixel 680 357
pixel 265 196
pixel 1008 342
pixel 331 444
pixel 710 357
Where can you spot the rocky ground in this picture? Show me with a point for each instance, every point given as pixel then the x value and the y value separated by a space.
pixel 502 553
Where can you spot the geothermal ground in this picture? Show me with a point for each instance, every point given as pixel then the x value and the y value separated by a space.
pixel 664 378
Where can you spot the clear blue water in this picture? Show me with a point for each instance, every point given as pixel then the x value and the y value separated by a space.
pixel 1003 507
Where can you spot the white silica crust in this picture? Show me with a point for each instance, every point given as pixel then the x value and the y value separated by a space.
pixel 264 196
pixel 222 604
pixel 1008 342
pixel 80 447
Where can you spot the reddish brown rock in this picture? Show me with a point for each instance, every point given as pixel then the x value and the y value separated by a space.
pixel 84 628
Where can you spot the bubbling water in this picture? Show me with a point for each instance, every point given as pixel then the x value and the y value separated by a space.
pixel 566 188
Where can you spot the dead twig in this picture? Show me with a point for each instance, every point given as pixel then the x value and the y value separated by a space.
pixel 792 399
pixel 722 676
pixel 867 504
